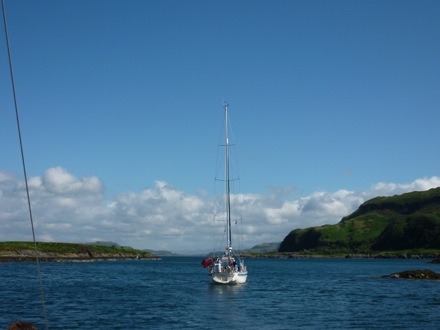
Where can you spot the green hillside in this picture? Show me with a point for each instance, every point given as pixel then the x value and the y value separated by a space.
pixel 51 251
pixel 407 222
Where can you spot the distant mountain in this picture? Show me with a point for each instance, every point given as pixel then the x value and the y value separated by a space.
pixel 401 222
pixel 264 248
pixel 110 244
pixel 162 253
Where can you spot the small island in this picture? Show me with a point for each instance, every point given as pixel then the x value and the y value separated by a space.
pixel 424 274
pixel 68 252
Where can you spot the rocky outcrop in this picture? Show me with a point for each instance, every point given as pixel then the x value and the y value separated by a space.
pixel 425 274
pixel 436 261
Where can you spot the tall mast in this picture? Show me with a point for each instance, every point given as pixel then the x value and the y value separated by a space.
pixel 228 190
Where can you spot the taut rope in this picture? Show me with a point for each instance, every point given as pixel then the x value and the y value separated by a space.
pixel 24 165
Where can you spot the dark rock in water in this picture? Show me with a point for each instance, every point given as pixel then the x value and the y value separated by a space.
pixel 436 261
pixel 424 274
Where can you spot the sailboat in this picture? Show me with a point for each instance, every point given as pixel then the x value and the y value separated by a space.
pixel 228 268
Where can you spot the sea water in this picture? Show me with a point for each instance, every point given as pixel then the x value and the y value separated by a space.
pixel 175 293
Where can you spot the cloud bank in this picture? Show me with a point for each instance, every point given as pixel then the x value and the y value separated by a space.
pixel 67 208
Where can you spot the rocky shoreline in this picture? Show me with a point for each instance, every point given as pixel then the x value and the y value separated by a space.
pixel 434 257
pixel 30 256
pixel 71 259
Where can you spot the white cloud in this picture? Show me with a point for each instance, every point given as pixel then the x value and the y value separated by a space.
pixel 71 209
pixel 4 176
pixel 387 189
pixel 58 180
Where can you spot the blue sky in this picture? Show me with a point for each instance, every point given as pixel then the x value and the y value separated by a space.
pixel 121 102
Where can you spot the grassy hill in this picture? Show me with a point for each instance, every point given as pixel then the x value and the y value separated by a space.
pixel 407 222
pixel 25 251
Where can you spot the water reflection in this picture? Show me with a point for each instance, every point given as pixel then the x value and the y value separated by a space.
pixel 226 289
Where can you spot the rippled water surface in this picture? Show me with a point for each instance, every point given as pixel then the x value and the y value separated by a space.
pixel 174 293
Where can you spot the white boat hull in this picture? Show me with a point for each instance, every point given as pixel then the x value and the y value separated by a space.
pixel 229 278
